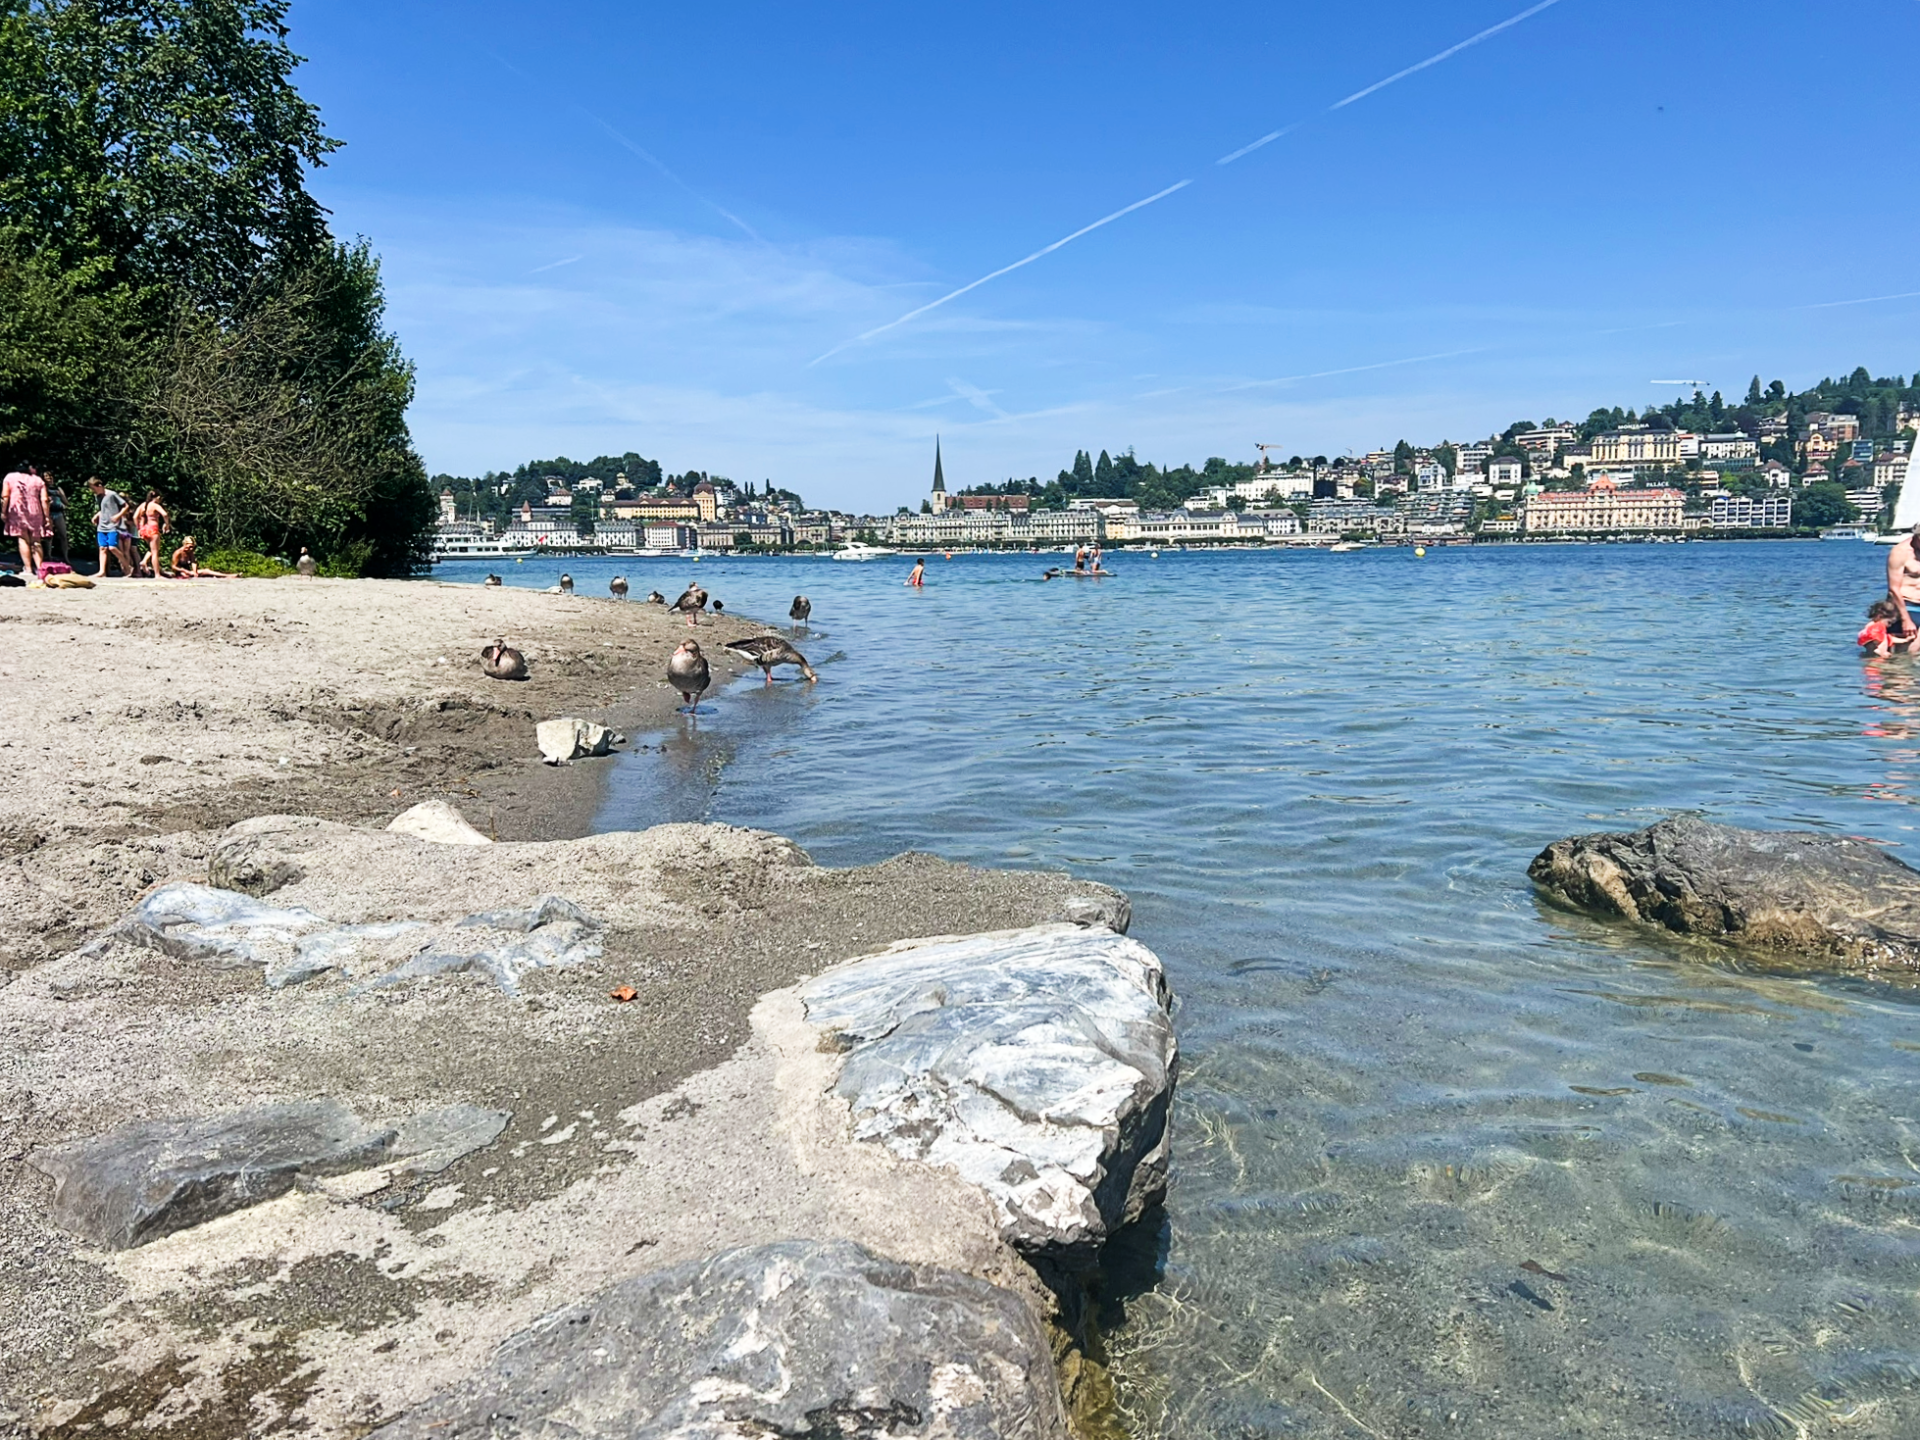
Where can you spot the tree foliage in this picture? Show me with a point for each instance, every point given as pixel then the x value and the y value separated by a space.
pixel 176 314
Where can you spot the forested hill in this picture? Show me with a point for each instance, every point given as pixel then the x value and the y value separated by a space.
pixel 1124 476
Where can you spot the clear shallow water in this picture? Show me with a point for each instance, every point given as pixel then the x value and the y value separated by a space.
pixel 1321 778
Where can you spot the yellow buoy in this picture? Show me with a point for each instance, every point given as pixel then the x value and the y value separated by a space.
pixel 1419 552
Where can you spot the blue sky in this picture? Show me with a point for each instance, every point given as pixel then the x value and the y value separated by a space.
pixel 609 227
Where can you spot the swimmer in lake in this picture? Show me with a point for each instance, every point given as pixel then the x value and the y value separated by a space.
pixel 918 579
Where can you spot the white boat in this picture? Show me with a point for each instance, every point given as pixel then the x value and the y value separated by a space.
pixel 1848 532
pixel 1906 514
pixel 854 550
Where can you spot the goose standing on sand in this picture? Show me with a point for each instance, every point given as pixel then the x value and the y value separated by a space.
pixel 688 673
pixel 802 609
pixel 767 651
pixel 566 584
pixel 306 564
pixel 618 585
pixel 500 661
pixel 654 597
pixel 691 602
pixel 493 579
pixel 719 608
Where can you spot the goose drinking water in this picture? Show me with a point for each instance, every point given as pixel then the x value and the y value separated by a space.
pixel 767 651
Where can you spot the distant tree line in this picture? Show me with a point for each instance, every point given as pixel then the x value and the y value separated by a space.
pixel 499 494
pixel 174 312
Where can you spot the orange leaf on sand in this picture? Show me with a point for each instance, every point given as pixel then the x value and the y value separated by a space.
pixel 624 994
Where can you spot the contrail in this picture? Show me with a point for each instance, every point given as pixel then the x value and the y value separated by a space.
pixel 1446 54
pixel 660 165
pixel 1355 369
pixel 556 264
pixel 1865 300
pixel 1247 149
pixel 1004 269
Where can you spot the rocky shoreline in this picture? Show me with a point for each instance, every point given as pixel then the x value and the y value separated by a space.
pixel 307 1123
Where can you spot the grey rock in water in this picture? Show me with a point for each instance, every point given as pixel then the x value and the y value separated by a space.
pixel 799 1338
pixel 152 1177
pixel 1814 900
pixel 229 930
pixel 1038 1064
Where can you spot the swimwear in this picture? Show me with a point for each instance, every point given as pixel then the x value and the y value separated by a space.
pixel 150 531
pixel 1874 634
pixel 109 539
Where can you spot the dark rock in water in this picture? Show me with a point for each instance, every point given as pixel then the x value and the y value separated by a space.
pixel 1038 1064
pixel 1824 901
pixel 800 1338
pixel 153 1177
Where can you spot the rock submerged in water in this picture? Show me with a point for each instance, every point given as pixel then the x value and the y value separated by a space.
pixel 796 1338
pixel 1824 901
pixel 1038 1064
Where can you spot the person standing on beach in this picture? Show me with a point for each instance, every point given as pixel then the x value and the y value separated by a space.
pixel 151 518
pixel 23 504
pixel 57 518
pixel 1903 579
pixel 918 579
pixel 109 516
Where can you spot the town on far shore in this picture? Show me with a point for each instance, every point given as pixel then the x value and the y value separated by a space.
pixel 1827 461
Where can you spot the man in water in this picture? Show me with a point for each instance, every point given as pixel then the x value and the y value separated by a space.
pixel 1903 579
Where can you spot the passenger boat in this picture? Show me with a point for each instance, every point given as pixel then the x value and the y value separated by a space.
pixel 855 550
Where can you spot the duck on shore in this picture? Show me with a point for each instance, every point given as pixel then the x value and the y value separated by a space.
pixel 688 672
pixel 618 585
pixel 767 651
pixel 306 564
pixel 691 602
pixel 493 579
pixel 566 584
pixel 500 661
pixel 654 597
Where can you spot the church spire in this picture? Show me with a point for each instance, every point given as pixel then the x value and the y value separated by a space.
pixel 939 480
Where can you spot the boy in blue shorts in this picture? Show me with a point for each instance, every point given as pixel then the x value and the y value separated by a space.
pixel 106 524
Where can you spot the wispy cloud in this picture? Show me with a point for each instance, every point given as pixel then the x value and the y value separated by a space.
pixel 976 397
pixel 555 265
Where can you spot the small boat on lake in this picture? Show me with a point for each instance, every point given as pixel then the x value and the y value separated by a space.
pixel 855 550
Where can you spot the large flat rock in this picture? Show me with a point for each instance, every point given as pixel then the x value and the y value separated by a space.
pixel 153 1177
pixel 798 1338
pixel 1038 1064
pixel 1822 901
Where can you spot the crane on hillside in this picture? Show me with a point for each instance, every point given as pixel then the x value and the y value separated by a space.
pixel 1263 449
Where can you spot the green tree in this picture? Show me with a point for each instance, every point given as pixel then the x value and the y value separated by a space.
pixel 1103 476
pixel 1823 503
pixel 213 341
pixel 584 512
pixel 1082 471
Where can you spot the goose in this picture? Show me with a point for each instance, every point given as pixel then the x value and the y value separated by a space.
pixel 618 585
pixel 688 673
pixel 500 661
pixel 691 602
pixel 566 584
pixel 306 564
pixel 719 607
pixel 493 579
pixel 801 611
pixel 767 651
pixel 654 597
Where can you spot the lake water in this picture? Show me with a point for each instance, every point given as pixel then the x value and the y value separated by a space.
pixel 1448 1161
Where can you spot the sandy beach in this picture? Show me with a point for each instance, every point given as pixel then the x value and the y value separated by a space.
pixel 139 714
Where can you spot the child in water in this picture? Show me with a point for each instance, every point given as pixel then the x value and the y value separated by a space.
pixel 918 579
pixel 1875 639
